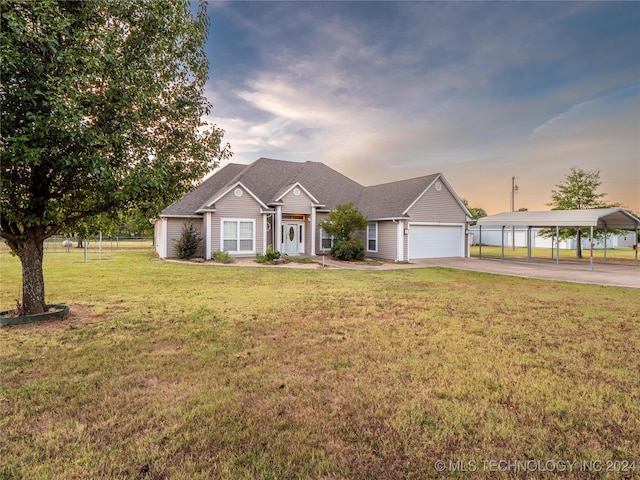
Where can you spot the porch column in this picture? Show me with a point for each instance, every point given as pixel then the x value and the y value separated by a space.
pixel 480 242
pixel 264 233
pixel 502 242
pixel 400 241
pixel 278 227
pixel 605 244
pixel 313 230
pixel 207 235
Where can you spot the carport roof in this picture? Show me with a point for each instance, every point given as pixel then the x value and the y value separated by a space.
pixel 597 217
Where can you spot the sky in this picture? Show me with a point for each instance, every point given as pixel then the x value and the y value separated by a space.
pixel 480 91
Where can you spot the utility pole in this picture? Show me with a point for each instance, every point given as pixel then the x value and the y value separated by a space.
pixel 514 189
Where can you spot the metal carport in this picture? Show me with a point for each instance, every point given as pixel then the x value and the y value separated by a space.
pixel 604 218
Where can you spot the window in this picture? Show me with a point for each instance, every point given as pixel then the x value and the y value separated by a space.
pixel 238 236
pixel 372 237
pixel 326 241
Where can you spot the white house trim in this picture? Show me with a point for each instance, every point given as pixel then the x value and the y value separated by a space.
pixel 207 235
pixel 313 229
pixel 230 189
pixel 399 240
pixel 291 187
pixel 440 178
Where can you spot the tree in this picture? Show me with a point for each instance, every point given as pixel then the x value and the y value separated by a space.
pixel 101 111
pixel 577 192
pixel 475 212
pixel 341 223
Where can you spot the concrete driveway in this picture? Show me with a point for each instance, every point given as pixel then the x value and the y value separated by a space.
pixel 602 274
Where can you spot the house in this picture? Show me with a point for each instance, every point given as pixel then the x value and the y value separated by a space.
pixel 242 209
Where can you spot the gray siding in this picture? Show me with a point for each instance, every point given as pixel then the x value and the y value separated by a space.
pixel 387 241
pixel 231 206
pixel 174 232
pixel 438 207
pixel 300 204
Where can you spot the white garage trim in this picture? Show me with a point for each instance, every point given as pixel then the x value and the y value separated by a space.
pixel 436 240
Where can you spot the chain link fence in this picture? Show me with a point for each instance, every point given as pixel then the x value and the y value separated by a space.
pixel 94 244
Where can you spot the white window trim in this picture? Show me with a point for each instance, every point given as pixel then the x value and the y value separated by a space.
pixel 237 221
pixel 322 237
pixel 374 239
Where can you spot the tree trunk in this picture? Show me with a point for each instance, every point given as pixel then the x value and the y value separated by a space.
pixel 30 252
pixel 579 244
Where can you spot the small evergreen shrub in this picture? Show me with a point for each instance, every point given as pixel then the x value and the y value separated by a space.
pixel 269 256
pixel 351 249
pixel 222 256
pixel 188 243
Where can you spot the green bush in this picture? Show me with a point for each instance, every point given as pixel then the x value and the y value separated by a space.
pixel 351 249
pixel 188 243
pixel 269 256
pixel 221 256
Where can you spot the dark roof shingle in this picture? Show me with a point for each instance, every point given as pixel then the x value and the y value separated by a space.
pixel 266 179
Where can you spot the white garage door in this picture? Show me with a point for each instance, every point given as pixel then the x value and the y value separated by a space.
pixel 427 241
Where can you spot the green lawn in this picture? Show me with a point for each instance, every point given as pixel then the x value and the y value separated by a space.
pixel 621 255
pixel 168 370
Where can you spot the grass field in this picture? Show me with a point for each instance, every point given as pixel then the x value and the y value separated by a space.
pixel 621 255
pixel 168 370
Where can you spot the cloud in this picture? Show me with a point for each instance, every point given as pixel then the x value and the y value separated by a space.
pixel 480 91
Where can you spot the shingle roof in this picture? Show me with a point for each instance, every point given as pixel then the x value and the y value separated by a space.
pixel 267 178
pixel 193 200
pixel 391 200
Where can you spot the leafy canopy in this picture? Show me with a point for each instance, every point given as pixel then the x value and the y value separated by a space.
pixel 101 110
pixel 579 191
pixel 343 221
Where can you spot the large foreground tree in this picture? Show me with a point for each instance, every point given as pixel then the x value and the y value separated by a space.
pixel 101 110
pixel 577 192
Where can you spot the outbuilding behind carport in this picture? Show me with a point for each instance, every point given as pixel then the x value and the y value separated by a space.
pixel 598 218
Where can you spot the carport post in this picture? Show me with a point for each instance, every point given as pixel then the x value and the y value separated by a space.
pixel 557 245
pixel 528 244
pixel 502 242
pixel 636 242
pixel 480 243
pixel 591 248
pixel 605 244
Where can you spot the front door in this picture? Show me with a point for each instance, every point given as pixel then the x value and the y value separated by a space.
pixel 291 239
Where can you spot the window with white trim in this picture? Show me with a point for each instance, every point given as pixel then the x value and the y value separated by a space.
pixel 326 241
pixel 238 236
pixel 372 237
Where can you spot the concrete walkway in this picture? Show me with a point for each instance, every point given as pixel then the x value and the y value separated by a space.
pixel 602 274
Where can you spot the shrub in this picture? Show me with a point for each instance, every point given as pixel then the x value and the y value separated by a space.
pixel 222 256
pixel 269 256
pixel 351 249
pixel 188 243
